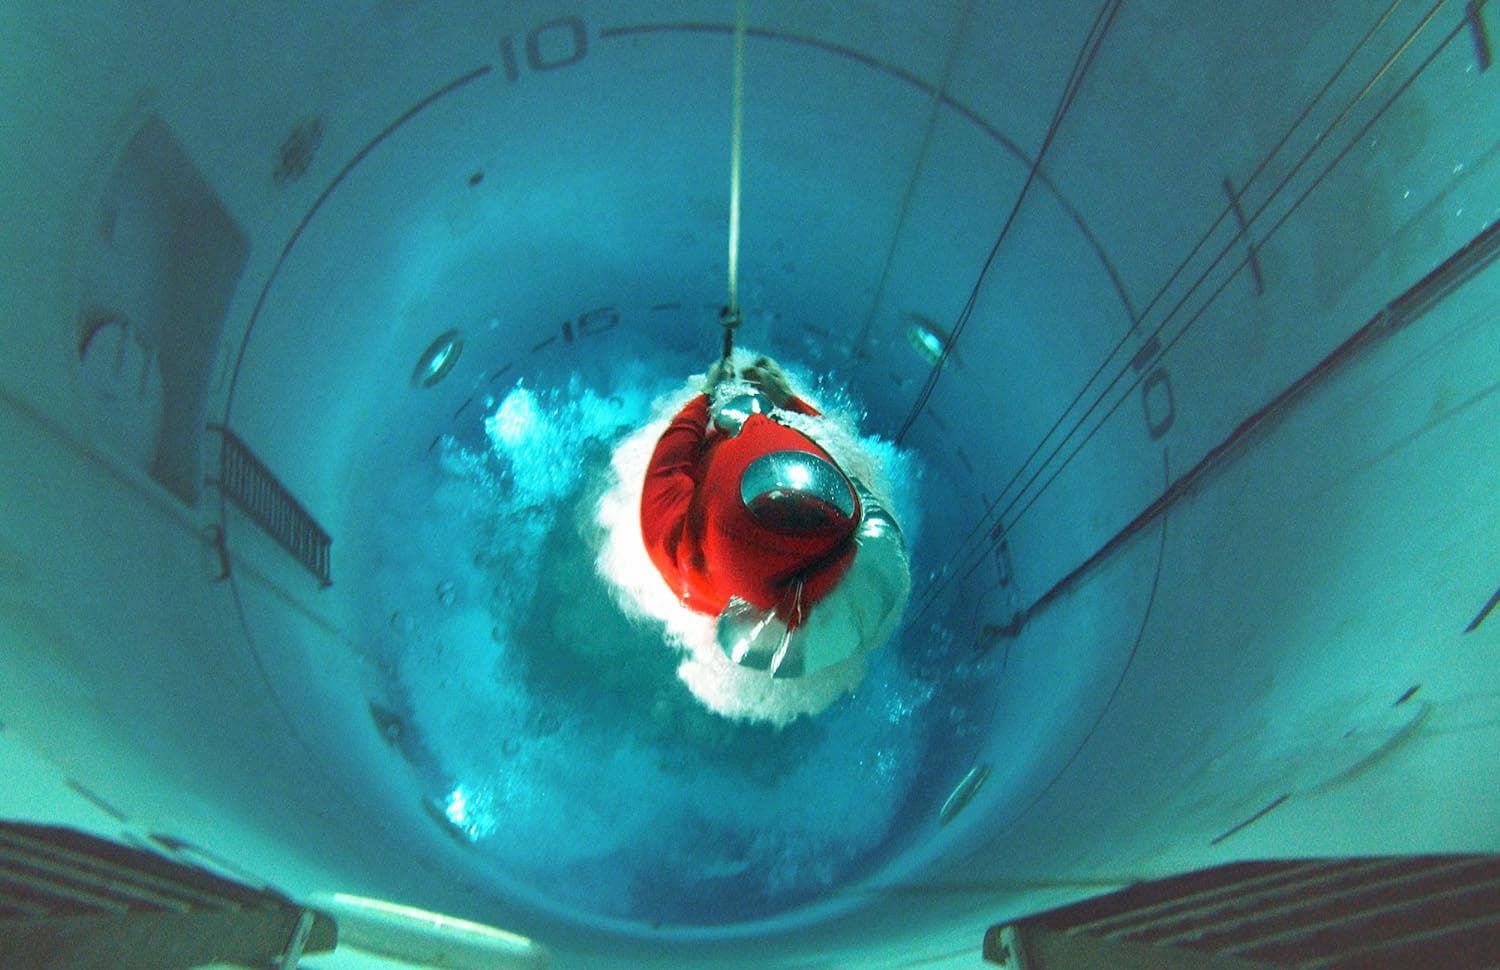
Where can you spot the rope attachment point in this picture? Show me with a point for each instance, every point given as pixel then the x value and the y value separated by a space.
pixel 729 319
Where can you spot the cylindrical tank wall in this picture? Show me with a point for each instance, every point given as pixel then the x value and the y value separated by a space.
pixel 399 170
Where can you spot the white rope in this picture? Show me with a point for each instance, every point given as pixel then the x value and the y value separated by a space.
pixel 736 132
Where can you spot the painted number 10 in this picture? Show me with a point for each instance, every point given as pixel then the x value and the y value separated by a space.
pixel 555 44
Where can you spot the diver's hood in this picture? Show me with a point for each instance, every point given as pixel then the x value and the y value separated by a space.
pixel 770 508
pixel 789 490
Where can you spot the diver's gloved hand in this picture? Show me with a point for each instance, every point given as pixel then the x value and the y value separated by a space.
pixel 721 371
pixel 766 374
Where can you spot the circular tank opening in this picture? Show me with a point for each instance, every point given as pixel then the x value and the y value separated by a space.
pixel 552 722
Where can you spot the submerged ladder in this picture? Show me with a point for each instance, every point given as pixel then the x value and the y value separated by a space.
pixel 71 901
pixel 1383 913
pixel 255 490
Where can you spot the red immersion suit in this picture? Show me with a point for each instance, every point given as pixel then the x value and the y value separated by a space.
pixel 705 541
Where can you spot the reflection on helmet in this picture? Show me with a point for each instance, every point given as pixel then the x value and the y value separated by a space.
pixel 797 491
pixel 731 415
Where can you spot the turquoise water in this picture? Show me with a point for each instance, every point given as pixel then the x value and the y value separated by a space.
pixel 549 718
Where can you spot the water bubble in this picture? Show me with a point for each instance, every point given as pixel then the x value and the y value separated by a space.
pixel 447 592
pixel 402 622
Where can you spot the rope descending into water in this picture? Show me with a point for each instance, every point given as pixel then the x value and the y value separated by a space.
pixel 729 317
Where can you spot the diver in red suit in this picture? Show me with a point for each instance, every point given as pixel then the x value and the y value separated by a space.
pixel 748 518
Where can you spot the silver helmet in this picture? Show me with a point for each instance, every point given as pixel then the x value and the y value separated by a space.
pixel 797 491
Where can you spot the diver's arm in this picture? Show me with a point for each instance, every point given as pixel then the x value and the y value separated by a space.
pixel 671 478
pixel 767 375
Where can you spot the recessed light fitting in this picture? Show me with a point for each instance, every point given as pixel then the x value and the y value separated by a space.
pixel 438 359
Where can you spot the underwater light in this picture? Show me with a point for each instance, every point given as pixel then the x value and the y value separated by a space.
pixel 426 938
pixel 927 338
pixel 963 793
pixel 438 359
